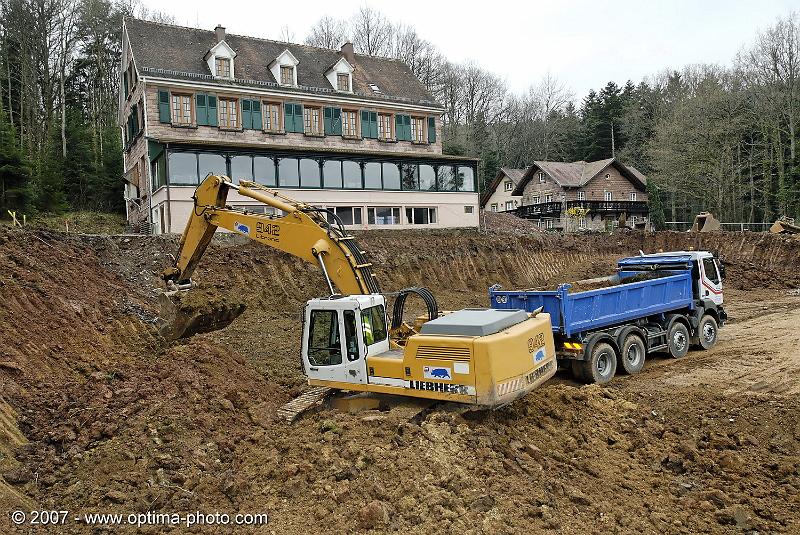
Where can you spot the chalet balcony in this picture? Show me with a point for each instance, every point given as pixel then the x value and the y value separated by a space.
pixel 553 209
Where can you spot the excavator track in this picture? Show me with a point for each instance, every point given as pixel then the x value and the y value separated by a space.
pixel 304 402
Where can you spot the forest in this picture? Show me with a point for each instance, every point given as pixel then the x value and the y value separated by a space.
pixel 711 137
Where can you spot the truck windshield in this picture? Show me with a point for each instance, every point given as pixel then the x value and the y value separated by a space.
pixel 373 321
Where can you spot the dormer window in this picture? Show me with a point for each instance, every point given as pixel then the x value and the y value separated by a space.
pixel 509 185
pixel 343 82
pixel 287 75
pixel 223 67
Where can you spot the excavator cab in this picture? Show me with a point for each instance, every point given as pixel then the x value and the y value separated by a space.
pixel 338 334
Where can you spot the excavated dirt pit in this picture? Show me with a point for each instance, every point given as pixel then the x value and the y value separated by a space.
pixel 98 413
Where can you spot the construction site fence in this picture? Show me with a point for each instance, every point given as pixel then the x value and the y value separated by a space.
pixel 730 227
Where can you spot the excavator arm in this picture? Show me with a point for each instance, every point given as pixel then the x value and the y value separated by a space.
pixel 302 231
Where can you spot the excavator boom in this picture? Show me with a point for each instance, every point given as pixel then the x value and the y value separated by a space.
pixel 302 231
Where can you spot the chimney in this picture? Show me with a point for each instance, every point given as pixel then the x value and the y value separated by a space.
pixel 220 31
pixel 347 53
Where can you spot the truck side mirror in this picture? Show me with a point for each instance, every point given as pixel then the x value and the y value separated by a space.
pixel 721 267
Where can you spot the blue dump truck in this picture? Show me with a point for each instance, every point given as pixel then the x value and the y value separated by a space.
pixel 662 302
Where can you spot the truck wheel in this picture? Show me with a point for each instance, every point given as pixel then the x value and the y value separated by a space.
pixel 601 366
pixel 632 356
pixel 707 332
pixel 678 340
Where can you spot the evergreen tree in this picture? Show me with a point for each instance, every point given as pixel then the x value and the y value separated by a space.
pixel 15 173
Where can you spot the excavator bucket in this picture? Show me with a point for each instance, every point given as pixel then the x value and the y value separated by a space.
pixel 705 222
pixel 785 226
pixel 185 313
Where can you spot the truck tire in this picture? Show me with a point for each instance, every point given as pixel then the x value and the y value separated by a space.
pixel 678 340
pixel 707 331
pixel 601 366
pixel 632 354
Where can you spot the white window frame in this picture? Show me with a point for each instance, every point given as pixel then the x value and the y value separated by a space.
pixel 582 223
pixel 509 205
pixel 581 195
pixel 608 196
pixel 632 196
pixel 548 197
pixel 535 199
pixel 541 177
pixel 493 207
pixel 508 185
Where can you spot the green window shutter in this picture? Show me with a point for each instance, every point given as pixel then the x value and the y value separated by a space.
pixel 212 110
pixel 255 109
pixel 328 120
pixel 399 127
pixel 298 118
pixel 163 106
pixel 337 121
pixel 201 110
pixel 373 124
pixel 247 117
pixel 365 129
pixel 288 117
pixel 431 130
pixel 125 83
pixel 408 128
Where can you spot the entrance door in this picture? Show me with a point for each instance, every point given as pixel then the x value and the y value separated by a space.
pixel 710 282
pixel 331 347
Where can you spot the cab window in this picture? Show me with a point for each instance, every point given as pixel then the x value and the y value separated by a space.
pixel 350 335
pixel 373 321
pixel 324 346
pixel 711 270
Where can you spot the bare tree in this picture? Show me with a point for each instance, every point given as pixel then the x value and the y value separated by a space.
pixel 371 32
pixel 287 35
pixel 327 33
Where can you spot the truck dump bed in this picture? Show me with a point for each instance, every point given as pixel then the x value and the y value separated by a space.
pixel 573 313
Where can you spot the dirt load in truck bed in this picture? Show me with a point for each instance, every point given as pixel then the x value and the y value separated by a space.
pixel 98 413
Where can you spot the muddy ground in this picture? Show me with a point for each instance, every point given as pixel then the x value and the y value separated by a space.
pixel 100 414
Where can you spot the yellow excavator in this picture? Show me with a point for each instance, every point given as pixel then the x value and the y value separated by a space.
pixel 481 357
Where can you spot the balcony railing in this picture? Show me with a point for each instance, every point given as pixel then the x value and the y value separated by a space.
pixel 552 209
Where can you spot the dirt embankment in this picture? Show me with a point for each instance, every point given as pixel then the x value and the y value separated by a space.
pixel 117 419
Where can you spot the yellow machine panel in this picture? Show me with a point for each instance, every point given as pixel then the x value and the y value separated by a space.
pixel 489 370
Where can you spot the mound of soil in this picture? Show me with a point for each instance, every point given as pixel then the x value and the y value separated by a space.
pixel 100 413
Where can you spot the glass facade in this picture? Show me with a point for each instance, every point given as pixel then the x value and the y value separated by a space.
pixel 189 168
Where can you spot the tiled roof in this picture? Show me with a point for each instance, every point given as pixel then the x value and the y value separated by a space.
pixel 578 174
pixel 504 172
pixel 177 52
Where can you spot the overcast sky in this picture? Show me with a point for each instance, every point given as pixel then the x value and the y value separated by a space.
pixel 583 43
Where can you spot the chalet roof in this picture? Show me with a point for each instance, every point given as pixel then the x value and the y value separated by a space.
pixel 504 172
pixel 177 52
pixel 578 174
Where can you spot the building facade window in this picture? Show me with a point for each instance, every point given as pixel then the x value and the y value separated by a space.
pixel 264 171
pixel 548 223
pixel 548 197
pixel 332 174
pixel 535 200
pixel 372 175
pixel 310 173
pixel 632 196
pixel 541 178
pixel 351 171
pixel 313 121
pixel 272 119
pixel 391 176
pixel 349 123
pixel 420 216
pixel 384 215
pixel 384 126
pixel 418 129
pixel 582 223
pixel 287 75
pixel 493 207
pixel 348 215
pixel 508 185
pixel 181 108
pixel 609 196
pixel 223 66
pixel 581 195
pixel 427 177
pixel 509 205
pixel 228 113
pixel 343 82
